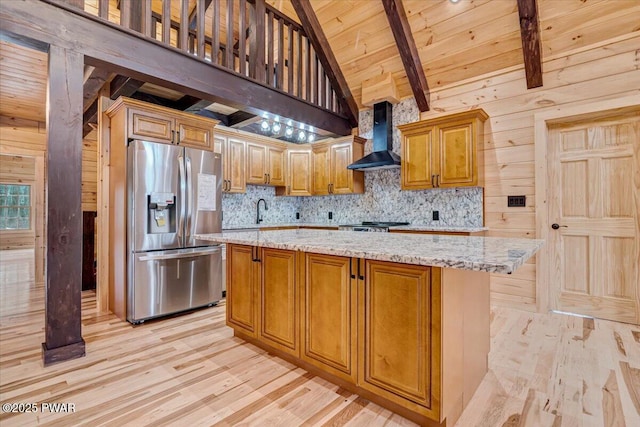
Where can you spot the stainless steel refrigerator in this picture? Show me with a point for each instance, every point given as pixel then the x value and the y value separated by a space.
pixel 173 193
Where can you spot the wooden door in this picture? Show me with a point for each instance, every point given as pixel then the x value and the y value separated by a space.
pixel 341 178
pixel 321 169
pixel 235 165
pixel 417 155
pixel 329 314
pixel 395 339
pixel 195 133
pixel 278 307
pixel 241 288
pixel 594 198
pixel 256 163
pixel 455 154
pixel 276 172
pixel 300 165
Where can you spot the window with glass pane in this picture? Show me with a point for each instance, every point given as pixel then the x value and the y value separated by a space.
pixel 15 207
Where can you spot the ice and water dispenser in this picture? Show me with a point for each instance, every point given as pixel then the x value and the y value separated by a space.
pixel 162 213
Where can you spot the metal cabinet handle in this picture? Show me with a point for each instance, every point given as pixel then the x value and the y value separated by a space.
pixel 432 181
pixel 173 137
pixel 353 276
pixel 360 275
pixel 438 180
pixel 268 178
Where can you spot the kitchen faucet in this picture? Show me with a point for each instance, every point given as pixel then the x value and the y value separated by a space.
pixel 258 217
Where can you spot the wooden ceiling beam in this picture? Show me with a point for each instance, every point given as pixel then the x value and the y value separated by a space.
pixel 408 52
pixel 531 45
pixel 327 59
pixel 124 86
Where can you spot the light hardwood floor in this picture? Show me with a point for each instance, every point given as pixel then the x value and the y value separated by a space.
pixel 545 370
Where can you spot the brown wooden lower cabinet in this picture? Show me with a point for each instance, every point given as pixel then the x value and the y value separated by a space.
pixel 412 338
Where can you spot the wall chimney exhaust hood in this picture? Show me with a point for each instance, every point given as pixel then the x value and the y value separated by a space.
pixel 382 156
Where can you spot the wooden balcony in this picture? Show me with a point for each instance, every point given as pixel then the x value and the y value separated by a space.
pixel 247 37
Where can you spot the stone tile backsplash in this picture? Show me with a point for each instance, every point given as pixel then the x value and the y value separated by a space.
pixel 382 201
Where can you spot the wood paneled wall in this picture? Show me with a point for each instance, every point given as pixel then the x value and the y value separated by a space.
pixel 23 142
pixel 604 71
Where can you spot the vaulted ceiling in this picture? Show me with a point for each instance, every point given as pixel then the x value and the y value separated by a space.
pixel 455 41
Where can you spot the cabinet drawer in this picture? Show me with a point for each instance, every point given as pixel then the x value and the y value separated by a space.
pixel 150 127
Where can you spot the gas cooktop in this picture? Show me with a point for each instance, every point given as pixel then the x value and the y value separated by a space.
pixel 376 224
pixel 371 226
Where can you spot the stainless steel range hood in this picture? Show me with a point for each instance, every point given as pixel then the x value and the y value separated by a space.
pixel 382 156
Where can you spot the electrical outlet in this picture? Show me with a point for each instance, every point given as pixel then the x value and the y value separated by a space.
pixel 297 215
pixel 436 215
pixel 516 201
pixel 330 215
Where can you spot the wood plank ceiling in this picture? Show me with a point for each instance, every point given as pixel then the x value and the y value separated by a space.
pixel 455 41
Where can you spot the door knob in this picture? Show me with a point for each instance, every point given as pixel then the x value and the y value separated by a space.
pixel 556 226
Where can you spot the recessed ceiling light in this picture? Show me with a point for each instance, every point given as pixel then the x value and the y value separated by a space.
pixel 454 1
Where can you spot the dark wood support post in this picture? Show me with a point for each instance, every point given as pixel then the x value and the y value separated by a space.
pixel 63 337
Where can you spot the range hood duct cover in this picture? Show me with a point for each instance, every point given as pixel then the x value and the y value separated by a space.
pixel 382 156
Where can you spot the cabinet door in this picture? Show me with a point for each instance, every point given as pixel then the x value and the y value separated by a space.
pixel 395 338
pixel 256 163
pixel 150 126
pixel 278 309
pixel 299 172
pixel 241 289
pixel 234 167
pixel 341 178
pixel 455 153
pixel 329 339
pixel 417 159
pixel 194 133
pixel 321 170
pixel 277 168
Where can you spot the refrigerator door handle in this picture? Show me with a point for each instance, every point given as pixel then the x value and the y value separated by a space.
pixel 189 180
pixel 183 194
pixel 180 255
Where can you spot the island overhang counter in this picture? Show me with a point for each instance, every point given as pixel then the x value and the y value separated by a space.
pixel 402 320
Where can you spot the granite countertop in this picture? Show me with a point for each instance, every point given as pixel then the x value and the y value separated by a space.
pixel 444 229
pixel 491 254
pixel 281 224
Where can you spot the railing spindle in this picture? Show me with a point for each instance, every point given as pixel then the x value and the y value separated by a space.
pixel 166 22
pixel 183 34
pixel 256 40
pixel 299 74
pixel 280 74
pixel 230 63
pixel 290 67
pixel 125 13
pixel 308 73
pixel 103 9
pixel 215 32
pixel 200 11
pixel 270 81
pixel 321 84
pixel 242 51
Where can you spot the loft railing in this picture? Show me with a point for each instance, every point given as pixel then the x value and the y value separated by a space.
pixel 263 44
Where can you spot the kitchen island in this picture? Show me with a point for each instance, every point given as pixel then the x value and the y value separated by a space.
pixel 402 320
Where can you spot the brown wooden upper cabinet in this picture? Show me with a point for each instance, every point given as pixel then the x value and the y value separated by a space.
pixel 299 176
pixel 330 161
pixel 233 151
pixel 151 122
pixel 443 152
pixel 266 163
